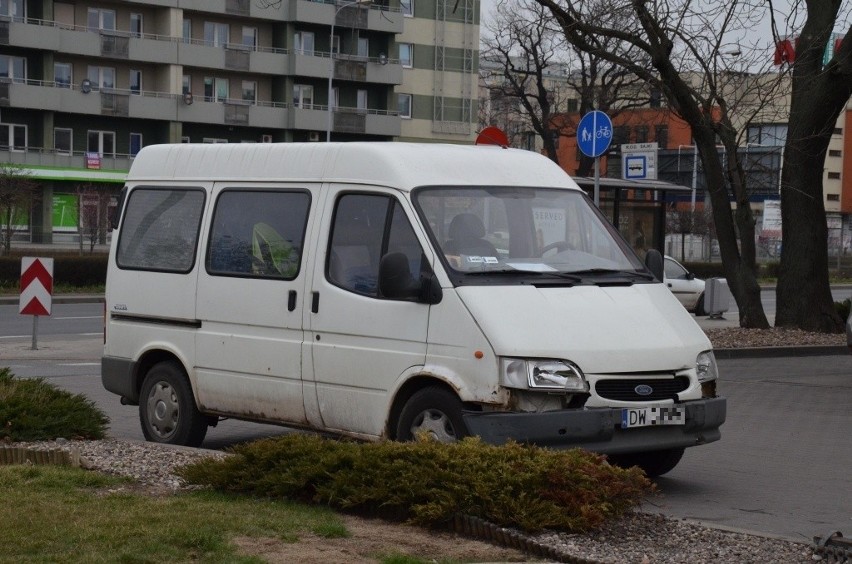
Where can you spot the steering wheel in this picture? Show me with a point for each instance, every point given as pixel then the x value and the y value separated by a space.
pixel 558 245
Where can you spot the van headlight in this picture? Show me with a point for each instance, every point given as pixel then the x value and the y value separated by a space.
pixel 550 375
pixel 705 367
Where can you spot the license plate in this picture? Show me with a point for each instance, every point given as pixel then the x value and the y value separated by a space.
pixel 650 416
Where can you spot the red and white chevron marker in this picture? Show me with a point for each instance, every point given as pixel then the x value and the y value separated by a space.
pixel 36 286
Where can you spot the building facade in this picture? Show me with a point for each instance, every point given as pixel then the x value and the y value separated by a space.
pixel 85 85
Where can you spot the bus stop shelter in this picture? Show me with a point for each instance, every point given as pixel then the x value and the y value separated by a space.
pixel 637 208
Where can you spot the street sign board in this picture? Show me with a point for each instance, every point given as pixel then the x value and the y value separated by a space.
pixel 594 133
pixel 36 286
pixel 639 161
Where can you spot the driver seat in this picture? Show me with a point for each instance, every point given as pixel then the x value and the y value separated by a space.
pixel 466 233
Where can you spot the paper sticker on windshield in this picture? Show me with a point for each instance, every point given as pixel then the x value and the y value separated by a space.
pixel 531 267
pixel 491 260
pixel 475 260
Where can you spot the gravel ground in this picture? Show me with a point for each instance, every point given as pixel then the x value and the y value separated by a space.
pixel 736 337
pixel 640 538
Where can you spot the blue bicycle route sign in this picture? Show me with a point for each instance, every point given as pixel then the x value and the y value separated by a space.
pixel 594 133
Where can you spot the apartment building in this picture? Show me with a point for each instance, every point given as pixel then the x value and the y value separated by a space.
pixel 85 85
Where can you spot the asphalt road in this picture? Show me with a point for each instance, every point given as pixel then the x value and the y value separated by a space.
pixel 782 466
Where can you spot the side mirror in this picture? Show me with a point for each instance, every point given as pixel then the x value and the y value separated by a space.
pixel 690 276
pixel 654 263
pixel 396 282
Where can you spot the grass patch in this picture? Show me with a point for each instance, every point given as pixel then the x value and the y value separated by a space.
pixel 428 483
pixel 34 410
pixel 60 514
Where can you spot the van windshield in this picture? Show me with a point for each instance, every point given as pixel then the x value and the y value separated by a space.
pixel 517 230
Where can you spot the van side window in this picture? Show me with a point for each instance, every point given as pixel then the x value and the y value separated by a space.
pixel 160 229
pixel 258 233
pixel 365 228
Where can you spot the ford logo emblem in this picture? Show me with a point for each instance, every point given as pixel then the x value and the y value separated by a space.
pixel 643 390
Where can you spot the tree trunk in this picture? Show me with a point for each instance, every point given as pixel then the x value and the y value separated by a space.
pixel 820 94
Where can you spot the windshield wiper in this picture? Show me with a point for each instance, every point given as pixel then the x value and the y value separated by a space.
pixel 503 271
pixel 612 271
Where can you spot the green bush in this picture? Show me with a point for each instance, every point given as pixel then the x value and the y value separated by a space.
pixel 428 483
pixel 34 410
pixel 68 270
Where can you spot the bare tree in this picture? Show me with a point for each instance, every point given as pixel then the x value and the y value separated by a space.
pixel 538 73
pixel 17 190
pixel 691 45
pixel 92 205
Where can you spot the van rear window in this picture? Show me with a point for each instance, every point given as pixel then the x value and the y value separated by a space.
pixel 160 229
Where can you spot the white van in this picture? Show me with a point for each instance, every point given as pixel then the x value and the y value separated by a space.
pixel 379 289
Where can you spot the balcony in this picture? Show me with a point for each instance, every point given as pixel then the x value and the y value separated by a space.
pixel 38 95
pixel 374 70
pixel 314 117
pixel 378 18
pixel 57 165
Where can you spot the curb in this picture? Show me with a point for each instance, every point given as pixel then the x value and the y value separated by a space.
pixel 780 352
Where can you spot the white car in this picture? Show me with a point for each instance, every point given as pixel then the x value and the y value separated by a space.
pixel 685 286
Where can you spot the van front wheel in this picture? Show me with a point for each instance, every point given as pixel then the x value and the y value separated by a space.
pixel 434 411
pixel 654 463
pixel 167 408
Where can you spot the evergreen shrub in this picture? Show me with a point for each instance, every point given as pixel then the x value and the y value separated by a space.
pixel 428 483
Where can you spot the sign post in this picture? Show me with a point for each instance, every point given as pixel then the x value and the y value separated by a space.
pixel 36 290
pixel 594 134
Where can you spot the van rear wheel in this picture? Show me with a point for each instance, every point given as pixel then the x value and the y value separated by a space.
pixel 654 463
pixel 167 409
pixel 435 411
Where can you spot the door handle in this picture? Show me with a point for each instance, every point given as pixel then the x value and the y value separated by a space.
pixel 291 300
pixel 315 302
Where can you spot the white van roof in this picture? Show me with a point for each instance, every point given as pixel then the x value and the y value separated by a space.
pixel 399 165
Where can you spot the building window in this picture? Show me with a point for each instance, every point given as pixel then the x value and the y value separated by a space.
pixel 186 86
pixel 303 42
pixel 406 7
pixel 572 105
pixel 641 132
pixel 216 34
pixel 661 136
pixel 404 105
pixel 834 175
pixel 363 47
pixel 250 37
pixel 335 45
pixel 63 75
pixel 250 91
pixel 620 134
pixel 656 98
pixel 335 97
pixel 832 197
pixel 101 77
pixel 216 89
pixel 303 96
pixel 136 25
pixel 13 137
pixel 13 9
pixel 362 99
pixel 406 54
pixel 14 68
pixel 135 143
pixel 772 135
pixel 101 142
pixel 62 140
pixel 835 153
pixel 135 81
pixel 838 131
pixel 187 30
pixel 101 19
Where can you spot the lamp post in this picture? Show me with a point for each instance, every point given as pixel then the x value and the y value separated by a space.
pixel 331 60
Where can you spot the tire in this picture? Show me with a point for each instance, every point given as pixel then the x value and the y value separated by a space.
pixel 699 306
pixel 167 409
pixel 654 463
pixel 434 410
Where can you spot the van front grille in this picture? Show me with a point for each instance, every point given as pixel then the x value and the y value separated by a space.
pixel 641 389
